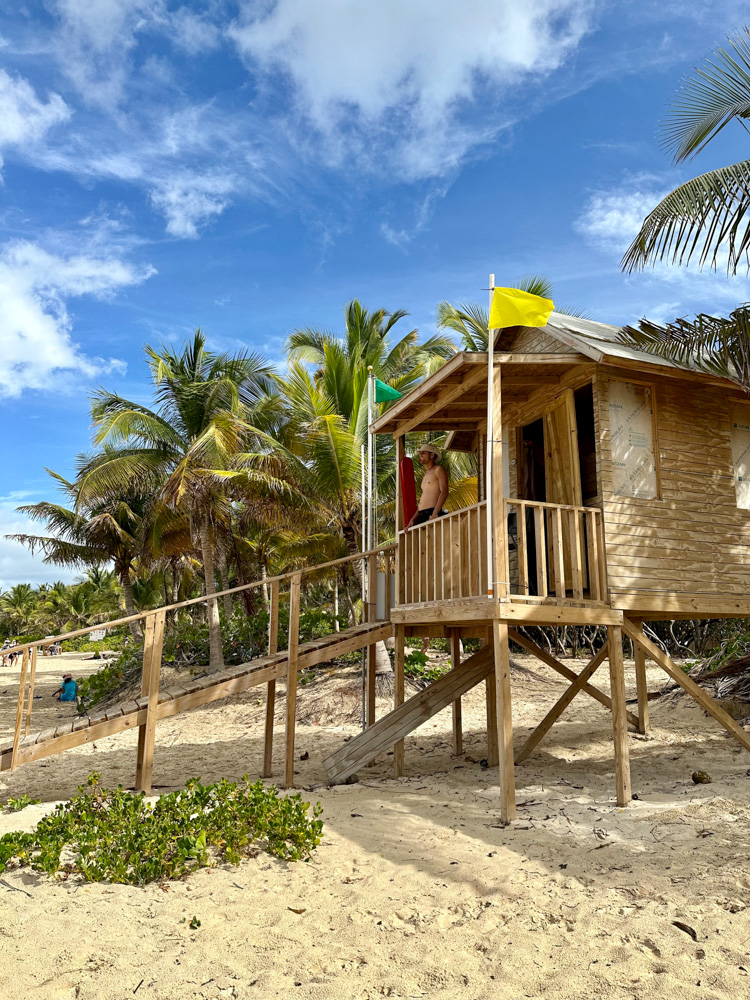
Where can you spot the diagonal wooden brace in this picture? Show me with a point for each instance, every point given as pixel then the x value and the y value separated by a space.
pixel 550 660
pixel 705 701
pixel 559 707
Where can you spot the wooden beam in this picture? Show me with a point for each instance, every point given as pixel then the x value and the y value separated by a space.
pixel 32 678
pixel 456 713
pixel 145 764
pixel 705 701
pixel 273 645
pixel 501 657
pixel 619 715
pixel 559 707
pixel 291 679
pixel 641 682
pixel 445 395
pixel 19 709
pixel 574 358
pixel 551 661
pixel 398 696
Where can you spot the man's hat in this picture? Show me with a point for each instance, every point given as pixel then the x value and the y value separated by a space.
pixel 67 677
pixel 433 449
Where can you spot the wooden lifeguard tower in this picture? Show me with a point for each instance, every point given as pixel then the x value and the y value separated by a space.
pixel 619 491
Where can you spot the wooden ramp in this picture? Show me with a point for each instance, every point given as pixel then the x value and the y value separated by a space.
pixel 359 751
pixel 177 698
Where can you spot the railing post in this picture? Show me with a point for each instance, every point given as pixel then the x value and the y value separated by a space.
pixel 458 736
pixel 291 678
pixel 32 678
pixel 398 693
pixel 19 709
pixel 273 645
pixel 152 650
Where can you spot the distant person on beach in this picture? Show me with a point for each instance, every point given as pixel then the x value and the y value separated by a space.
pixel 435 487
pixel 4 651
pixel 68 691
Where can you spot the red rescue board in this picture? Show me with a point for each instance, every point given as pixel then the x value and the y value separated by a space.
pixel 408 488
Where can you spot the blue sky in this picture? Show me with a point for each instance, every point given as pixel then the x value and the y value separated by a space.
pixel 250 166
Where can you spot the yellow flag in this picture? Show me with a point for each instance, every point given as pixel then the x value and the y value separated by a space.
pixel 512 307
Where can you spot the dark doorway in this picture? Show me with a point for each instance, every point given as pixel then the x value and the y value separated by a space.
pixel 584 400
pixel 531 485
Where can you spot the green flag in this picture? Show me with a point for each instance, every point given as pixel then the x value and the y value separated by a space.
pixel 384 392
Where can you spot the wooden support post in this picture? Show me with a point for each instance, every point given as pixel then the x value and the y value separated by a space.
pixel 559 707
pixel 372 598
pixel 152 650
pixel 401 546
pixel 273 645
pixel 458 736
pixel 641 683
pixel 19 709
pixel 504 722
pixel 490 690
pixel 291 678
pixel 496 502
pixel 398 694
pixel 32 678
pixel 619 717
pixel 705 700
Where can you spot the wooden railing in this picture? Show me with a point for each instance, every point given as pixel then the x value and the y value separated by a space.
pixel 445 558
pixel 154 627
pixel 554 551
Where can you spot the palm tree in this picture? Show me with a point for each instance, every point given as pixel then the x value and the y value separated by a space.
pixel 17 607
pixel 191 449
pixel 95 531
pixel 707 215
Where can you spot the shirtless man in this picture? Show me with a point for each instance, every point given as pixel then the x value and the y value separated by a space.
pixel 434 486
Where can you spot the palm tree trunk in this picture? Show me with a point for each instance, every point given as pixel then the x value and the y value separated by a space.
pixel 264 588
pixel 221 559
pixel 130 609
pixel 216 657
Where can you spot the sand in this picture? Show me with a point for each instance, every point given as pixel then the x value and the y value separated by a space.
pixel 415 891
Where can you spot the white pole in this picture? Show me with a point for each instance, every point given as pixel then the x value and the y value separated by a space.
pixel 364 518
pixel 370 531
pixel 490 450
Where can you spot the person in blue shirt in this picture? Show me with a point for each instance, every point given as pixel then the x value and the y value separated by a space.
pixel 68 691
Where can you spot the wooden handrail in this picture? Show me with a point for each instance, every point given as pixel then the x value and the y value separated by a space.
pixel 48 640
pixel 446 516
pixel 553 506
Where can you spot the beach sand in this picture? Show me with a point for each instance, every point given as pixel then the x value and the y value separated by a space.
pixel 415 890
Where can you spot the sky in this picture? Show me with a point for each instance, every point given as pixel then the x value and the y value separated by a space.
pixel 248 166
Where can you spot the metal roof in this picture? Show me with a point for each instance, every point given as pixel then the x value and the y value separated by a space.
pixel 598 340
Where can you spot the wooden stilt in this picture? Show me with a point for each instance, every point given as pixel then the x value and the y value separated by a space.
pixel 147 734
pixel 551 661
pixel 641 683
pixel 273 645
pixel 619 718
pixel 559 707
pixel 398 695
pixel 19 709
pixel 705 700
pixel 291 679
pixel 504 722
pixel 490 690
pixel 458 736
pixel 32 678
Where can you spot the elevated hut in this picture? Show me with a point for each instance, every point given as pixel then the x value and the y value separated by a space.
pixel 620 492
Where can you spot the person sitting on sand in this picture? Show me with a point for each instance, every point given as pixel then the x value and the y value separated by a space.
pixel 68 691
pixel 435 487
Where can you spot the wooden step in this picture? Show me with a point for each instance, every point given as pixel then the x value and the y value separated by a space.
pixel 386 732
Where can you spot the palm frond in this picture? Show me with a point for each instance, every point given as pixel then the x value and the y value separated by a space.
pixel 706 216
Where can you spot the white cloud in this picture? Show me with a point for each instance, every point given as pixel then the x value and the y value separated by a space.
pixel 24 118
pixel 189 199
pixel 17 564
pixel 396 77
pixel 36 330
pixel 194 33
pixel 610 220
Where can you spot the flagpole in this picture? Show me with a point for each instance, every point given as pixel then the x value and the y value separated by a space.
pixel 490 448
pixel 369 460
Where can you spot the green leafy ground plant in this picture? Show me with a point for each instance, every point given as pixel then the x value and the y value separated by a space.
pixel 16 805
pixel 116 836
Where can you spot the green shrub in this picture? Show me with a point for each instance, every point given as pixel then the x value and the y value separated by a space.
pixel 117 836
pixel 415 665
pixel 16 805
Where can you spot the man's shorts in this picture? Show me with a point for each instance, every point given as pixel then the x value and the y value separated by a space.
pixel 425 515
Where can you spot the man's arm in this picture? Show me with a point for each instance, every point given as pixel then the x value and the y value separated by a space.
pixel 442 477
